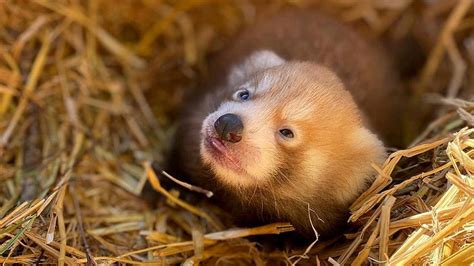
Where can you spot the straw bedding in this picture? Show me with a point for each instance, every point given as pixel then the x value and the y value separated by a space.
pixel 88 95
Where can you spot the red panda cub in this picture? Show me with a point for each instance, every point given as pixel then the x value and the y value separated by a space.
pixel 287 127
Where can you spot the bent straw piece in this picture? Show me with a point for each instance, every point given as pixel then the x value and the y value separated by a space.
pixel 156 185
pixel 206 192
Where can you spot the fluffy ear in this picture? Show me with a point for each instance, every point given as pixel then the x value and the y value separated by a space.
pixel 257 61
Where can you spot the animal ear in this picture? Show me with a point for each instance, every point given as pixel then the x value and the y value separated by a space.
pixel 256 62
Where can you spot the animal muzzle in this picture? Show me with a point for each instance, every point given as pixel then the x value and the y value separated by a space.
pixel 229 127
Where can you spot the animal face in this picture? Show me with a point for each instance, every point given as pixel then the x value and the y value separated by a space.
pixel 284 124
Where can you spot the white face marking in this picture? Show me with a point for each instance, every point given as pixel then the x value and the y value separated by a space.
pixel 256 62
pixel 265 83
pixel 256 155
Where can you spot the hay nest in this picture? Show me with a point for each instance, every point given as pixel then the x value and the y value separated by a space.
pixel 79 129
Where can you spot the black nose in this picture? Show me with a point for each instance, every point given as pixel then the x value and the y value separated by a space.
pixel 229 127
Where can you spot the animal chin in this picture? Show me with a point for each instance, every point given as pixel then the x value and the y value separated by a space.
pixel 221 153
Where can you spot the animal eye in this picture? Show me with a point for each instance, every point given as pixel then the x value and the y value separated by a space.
pixel 243 95
pixel 287 133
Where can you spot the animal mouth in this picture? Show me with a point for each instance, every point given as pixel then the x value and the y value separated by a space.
pixel 221 153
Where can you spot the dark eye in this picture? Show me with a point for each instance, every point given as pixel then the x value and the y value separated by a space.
pixel 243 95
pixel 287 133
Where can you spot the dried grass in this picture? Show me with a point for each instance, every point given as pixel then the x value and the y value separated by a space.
pixel 80 124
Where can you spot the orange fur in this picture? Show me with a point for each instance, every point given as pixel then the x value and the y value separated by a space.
pixel 327 164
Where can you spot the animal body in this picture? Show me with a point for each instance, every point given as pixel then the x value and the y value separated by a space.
pixel 289 121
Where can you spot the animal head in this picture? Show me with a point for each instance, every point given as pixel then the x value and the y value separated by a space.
pixel 286 122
